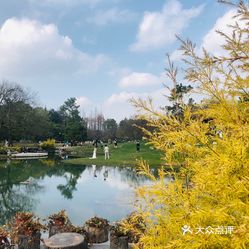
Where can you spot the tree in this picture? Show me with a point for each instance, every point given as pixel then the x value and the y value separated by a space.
pixel 177 93
pixel 131 129
pixel 56 121
pixel 15 110
pixel 110 129
pixel 39 124
pixel 74 127
pixel 95 126
pixel 215 203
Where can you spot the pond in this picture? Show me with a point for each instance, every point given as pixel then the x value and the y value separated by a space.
pixel 46 186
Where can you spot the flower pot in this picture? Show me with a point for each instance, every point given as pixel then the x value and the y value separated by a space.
pixel 96 234
pixel 29 241
pixel 118 242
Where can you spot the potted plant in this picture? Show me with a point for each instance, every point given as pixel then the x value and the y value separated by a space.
pixel 58 223
pixel 119 237
pixel 27 230
pixel 97 229
pixel 133 227
pixel 4 238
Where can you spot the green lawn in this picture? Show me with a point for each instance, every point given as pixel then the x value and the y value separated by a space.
pixel 125 154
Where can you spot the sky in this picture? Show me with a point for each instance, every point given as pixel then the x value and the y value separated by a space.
pixel 102 52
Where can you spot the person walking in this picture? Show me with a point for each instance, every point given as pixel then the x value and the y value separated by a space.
pixel 115 143
pixel 106 150
pixel 138 146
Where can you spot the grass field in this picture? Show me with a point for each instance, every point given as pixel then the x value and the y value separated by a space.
pixel 125 154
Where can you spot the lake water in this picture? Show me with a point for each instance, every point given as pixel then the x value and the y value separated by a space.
pixel 46 186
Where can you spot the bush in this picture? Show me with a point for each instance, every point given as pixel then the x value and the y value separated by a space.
pixel 4 150
pixel 60 219
pixel 26 223
pixel 97 222
pixel 4 238
pixel 48 145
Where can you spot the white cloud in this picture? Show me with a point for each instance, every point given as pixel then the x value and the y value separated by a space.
pixel 83 102
pixel 213 41
pixel 119 72
pixel 158 29
pixel 118 106
pixel 31 49
pixel 176 55
pixel 113 15
pixel 139 80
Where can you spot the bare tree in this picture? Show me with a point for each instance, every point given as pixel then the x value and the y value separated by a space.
pixel 13 100
pixel 13 93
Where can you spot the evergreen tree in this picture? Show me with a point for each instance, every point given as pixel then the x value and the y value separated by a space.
pixel 74 127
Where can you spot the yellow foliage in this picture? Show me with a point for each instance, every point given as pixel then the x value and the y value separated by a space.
pixel 48 145
pixel 211 191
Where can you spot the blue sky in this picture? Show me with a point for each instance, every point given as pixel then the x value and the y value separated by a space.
pixel 102 52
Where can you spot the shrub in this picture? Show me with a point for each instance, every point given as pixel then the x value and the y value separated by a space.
pixel 48 145
pixel 4 238
pixel 4 150
pixel 97 222
pixel 59 219
pixel 25 223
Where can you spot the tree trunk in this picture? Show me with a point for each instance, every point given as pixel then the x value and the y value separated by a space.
pixel 119 242
pixel 66 241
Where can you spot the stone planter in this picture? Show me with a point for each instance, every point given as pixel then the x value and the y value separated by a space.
pixel 29 242
pixel 97 235
pixel 118 242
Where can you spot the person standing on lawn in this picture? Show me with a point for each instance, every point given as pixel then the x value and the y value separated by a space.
pixel 95 145
pixel 106 150
pixel 138 146
pixel 115 143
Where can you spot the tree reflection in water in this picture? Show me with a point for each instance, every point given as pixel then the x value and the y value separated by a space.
pixel 72 174
pixel 19 180
pixel 24 186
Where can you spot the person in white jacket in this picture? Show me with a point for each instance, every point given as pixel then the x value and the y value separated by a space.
pixel 106 150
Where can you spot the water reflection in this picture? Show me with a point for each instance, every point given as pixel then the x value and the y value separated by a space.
pixel 105 174
pixel 46 186
pixel 71 174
